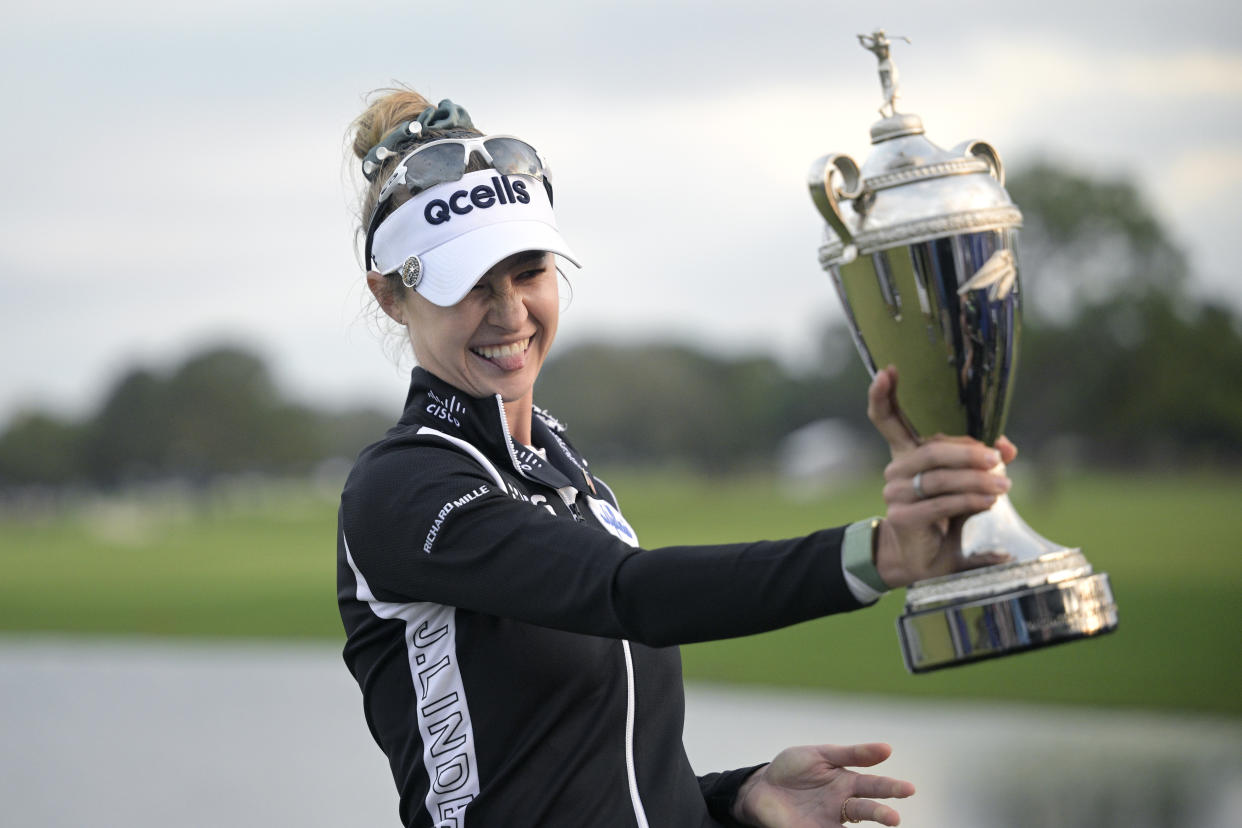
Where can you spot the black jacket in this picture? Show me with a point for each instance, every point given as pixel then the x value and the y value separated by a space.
pixel 513 644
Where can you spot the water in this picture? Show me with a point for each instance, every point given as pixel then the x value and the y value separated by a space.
pixel 140 733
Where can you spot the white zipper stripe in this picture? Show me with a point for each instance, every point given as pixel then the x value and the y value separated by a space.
pixel 639 812
pixel 504 426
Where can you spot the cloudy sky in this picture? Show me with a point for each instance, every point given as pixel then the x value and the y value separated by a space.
pixel 175 175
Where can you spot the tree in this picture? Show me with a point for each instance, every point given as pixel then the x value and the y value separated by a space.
pixel 669 404
pixel 40 449
pixel 1086 241
pixel 217 413
pixel 224 414
pixel 127 439
pixel 1140 380
pixel 1114 349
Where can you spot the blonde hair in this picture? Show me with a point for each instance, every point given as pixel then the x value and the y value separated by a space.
pixel 386 108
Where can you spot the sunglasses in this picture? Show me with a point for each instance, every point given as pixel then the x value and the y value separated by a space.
pixel 447 160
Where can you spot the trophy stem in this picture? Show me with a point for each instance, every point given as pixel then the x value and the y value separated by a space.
pixel 1045 594
pixel 1000 529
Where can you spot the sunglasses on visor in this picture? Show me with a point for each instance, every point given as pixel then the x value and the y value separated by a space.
pixel 446 160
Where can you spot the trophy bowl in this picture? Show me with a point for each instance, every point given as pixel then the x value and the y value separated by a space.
pixel 921 245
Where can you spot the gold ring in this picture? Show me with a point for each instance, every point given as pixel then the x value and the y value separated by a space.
pixel 844 816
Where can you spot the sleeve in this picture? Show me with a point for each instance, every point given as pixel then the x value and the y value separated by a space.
pixel 431 525
pixel 720 792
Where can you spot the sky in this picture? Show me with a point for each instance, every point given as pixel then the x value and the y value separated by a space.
pixel 175 175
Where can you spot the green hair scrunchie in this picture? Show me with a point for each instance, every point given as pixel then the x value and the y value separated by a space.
pixel 444 115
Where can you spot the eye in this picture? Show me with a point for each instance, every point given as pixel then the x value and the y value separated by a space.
pixel 536 268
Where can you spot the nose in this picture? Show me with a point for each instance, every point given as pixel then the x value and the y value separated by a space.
pixel 507 309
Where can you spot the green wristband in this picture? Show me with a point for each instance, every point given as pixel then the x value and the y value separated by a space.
pixel 856 553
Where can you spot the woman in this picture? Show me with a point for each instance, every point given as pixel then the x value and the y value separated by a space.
pixel 514 645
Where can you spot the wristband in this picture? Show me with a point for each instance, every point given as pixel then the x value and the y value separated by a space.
pixel 857 556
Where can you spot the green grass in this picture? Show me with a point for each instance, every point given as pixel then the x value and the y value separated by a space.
pixel 265 567
pixel 233 569
pixel 1169 544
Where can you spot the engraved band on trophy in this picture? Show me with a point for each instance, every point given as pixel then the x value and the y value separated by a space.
pixel 921 245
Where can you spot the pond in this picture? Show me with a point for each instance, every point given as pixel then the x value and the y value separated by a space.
pixel 155 733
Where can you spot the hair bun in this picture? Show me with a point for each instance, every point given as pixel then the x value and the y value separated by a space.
pixel 444 116
pixel 388 109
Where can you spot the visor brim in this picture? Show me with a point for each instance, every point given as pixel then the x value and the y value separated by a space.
pixel 451 269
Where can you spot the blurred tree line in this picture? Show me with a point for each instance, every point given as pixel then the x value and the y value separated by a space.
pixel 218 413
pixel 1117 355
pixel 1119 365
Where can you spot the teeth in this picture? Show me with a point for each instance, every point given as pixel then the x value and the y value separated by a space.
pixel 496 351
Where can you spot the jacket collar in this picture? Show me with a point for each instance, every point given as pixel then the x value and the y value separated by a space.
pixel 480 421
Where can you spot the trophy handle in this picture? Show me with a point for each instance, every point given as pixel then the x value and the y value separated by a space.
pixel 986 153
pixel 828 196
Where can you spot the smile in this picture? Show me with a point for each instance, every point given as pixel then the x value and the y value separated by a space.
pixel 502 351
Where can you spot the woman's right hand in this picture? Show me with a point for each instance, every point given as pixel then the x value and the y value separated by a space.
pixel 931 487
pixel 813 787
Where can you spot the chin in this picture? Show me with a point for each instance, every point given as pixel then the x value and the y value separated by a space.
pixel 511 393
pixel 514 388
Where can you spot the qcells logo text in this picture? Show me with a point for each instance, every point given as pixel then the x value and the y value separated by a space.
pixel 503 191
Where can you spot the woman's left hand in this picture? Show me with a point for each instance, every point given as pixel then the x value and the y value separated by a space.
pixel 931 487
pixel 811 787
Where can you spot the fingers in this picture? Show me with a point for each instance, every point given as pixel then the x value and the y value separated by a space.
pixel 881 787
pixel 1007 449
pixel 944 481
pixel 943 452
pixel 884 413
pixel 857 756
pixel 859 810
pixel 953 478
pixel 816 779
pixel 939 508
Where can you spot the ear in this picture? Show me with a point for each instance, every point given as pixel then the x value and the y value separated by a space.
pixel 386 297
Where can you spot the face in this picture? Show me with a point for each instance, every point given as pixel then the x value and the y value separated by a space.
pixel 495 339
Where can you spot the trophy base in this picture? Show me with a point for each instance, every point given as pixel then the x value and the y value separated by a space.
pixel 1004 609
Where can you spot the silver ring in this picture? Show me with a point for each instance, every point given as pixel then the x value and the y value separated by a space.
pixel 918 486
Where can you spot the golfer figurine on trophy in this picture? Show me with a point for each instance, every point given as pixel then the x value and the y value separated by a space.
pixel 921 244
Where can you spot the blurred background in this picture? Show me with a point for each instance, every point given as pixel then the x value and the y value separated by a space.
pixel 190 365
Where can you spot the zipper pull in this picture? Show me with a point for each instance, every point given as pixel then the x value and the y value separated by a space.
pixel 570 495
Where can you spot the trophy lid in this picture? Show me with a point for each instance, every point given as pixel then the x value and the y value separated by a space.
pixel 909 189
pixel 897 125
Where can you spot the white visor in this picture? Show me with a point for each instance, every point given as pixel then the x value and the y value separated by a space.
pixel 460 230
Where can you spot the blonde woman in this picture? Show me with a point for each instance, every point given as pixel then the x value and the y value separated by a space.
pixel 515 645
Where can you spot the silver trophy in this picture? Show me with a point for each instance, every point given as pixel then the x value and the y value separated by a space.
pixel 921 244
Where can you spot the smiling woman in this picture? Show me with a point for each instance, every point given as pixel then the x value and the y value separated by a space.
pixel 494 340
pixel 514 644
